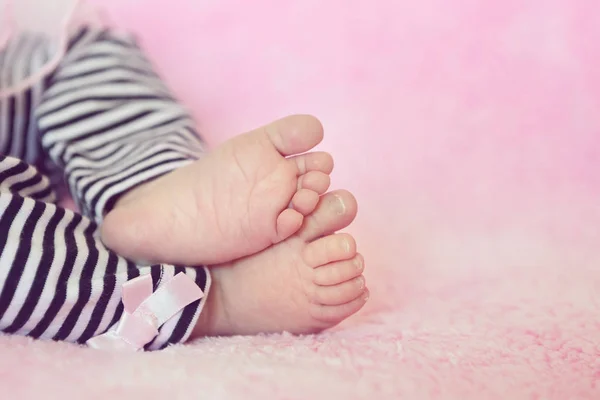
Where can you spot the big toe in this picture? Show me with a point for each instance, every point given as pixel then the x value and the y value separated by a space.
pixel 294 134
pixel 335 211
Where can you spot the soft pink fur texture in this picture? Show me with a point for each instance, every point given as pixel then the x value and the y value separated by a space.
pixel 470 132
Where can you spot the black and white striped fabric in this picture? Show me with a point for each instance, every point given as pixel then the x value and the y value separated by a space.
pixel 107 123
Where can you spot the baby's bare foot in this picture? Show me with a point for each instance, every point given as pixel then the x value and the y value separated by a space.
pixel 305 284
pixel 246 195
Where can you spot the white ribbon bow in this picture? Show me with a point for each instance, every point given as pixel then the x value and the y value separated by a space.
pixel 145 312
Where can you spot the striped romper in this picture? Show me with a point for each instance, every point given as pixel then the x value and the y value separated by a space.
pixel 101 124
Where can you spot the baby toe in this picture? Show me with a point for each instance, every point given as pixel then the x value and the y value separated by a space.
pixel 316 181
pixel 305 201
pixel 338 272
pixel 335 314
pixel 335 211
pixel 313 161
pixel 288 223
pixel 339 294
pixel 338 247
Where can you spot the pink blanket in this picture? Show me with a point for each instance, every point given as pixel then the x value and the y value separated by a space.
pixel 469 131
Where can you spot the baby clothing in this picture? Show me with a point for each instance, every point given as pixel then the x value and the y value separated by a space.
pixel 102 122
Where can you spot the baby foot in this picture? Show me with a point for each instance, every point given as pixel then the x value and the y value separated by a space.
pixel 305 284
pixel 249 193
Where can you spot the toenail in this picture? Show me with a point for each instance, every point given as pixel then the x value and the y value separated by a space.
pixel 365 296
pixel 361 282
pixel 358 263
pixel 346 245
pixel 340 207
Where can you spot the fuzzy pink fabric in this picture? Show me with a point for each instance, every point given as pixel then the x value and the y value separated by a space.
pixel 469 131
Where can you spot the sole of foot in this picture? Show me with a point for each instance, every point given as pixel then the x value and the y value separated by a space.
pixel 251 192
pixel 305 284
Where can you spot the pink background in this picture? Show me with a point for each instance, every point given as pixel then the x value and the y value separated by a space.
pixel 469 130
pixel 470 133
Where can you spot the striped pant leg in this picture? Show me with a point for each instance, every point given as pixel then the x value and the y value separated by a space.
pixel 57 280
pixel 19 134
pixel 20 178
pixel 111 122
